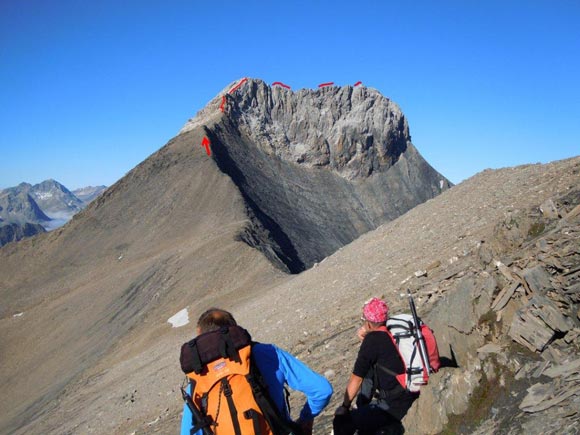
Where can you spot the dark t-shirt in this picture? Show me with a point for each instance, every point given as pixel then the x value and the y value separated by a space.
pixel 377 347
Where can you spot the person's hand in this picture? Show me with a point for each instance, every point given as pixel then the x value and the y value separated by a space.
pixel 341 410
pixel 306 426
pixel 361 332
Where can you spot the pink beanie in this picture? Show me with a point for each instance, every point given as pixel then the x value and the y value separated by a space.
pixel 376 310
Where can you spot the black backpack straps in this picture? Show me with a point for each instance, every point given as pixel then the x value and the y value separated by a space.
pixel 227 349
pixel 278 424
pixel 227 390
pixel 252 414
pixel 190 358
pixel 194 359
pixel 387 370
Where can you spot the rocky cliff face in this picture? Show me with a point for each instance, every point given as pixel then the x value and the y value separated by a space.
pixel 18 206
pixel 317 168
pixel 353 131
pixel 14 232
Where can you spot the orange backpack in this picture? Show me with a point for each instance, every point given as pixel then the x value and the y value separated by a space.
pixel 228 395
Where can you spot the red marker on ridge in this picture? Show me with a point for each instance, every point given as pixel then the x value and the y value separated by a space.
pixel 235 88
pixel 206 143
pixel 281 84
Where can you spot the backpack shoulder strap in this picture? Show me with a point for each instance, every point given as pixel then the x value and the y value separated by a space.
pixel 402 378
pixel 278 424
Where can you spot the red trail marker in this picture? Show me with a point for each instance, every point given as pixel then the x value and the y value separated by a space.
pixel 206 143
pixel 323 85
pixel 358 83
pixel 235 88
pixel 281 84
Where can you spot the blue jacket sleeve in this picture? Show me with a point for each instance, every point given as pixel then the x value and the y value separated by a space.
pixel 302 378
pixel 187 418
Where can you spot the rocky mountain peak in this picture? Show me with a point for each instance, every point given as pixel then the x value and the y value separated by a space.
pixel 317 167
pixel 55 198
pixel 354 131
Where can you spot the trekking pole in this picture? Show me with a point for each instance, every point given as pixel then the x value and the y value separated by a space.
pixel 419 336
pixel 201 421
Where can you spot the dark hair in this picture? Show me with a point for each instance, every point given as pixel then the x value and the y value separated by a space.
pixel 213 319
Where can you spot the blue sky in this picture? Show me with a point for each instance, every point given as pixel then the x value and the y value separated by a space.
pixel 90 89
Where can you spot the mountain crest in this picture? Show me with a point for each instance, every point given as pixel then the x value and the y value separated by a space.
pixel 354 131
pixel 317 168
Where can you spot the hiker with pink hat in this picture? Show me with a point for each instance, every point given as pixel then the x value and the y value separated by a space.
pixel 375 370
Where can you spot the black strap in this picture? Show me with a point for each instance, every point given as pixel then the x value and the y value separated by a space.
pixel 387 370
pixel 198 419
pixel 197 364
pixel 227 348
pixel 393 393
pixel 227 389
pixel 287 396
pixel 278 424
pixel 252 414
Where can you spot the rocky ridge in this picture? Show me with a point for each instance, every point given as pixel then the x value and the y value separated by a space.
pixel 354 131
pixel 317 168
pixel 87 194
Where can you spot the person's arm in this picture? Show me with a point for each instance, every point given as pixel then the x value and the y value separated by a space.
pixel 352 388
pixel 300 377
pixel 187 418
pixel 186 421
pixel 361 366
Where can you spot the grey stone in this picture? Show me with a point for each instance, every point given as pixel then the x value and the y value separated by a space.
pixel 549 209
pixel 490 348
pixel 482 290
pixel 459 307
pixel 530 331
pixel 538 279
pixel 545 309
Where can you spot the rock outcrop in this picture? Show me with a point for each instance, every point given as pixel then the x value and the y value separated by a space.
pixel 317 168
pixel 14 232
pixel 517 331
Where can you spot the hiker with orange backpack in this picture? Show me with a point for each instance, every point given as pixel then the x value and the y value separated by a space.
pixel 237 386
pixel 378 367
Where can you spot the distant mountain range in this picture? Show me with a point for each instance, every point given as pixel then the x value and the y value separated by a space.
pixel 26 209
